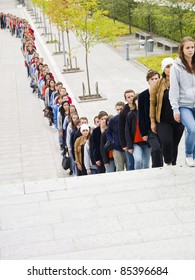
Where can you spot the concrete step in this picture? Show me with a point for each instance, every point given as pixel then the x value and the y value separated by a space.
pixel 107 216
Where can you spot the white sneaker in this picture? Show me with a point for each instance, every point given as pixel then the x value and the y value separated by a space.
pixel 190 162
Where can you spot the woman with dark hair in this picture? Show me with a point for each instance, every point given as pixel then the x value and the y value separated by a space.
pixel 48 92
pixel 182 94
pixel 79 149
pixel 69 129
pixel 64 110
pixel 161 115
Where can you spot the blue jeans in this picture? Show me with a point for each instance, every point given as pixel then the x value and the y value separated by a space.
pixel 111 167
pixel 93 171
pixel 141 156
pixel 188 120
pixel 130 161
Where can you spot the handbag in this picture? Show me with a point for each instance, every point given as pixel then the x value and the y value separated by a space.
pixel 47 112
pixel 65 162
pixel 109 146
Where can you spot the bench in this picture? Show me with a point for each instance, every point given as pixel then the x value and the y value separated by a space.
pixel 142 35
pixel 167 45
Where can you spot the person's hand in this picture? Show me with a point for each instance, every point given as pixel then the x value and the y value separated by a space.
pixel 61 133
pixel 177 118
pixel 130 151
pixel 153 127
pixel 145 138
pixel 98 163
pixel 125 149
pixel 79 166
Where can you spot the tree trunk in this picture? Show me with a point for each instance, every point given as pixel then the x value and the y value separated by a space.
pixel 69 49
pixel 129 16
pixel 87 70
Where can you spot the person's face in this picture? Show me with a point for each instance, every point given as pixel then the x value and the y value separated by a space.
pixel 85 132
pixel 153 80
pixel 83 121
pixel 167 69
pixel 52 84
pixel 119 108
pixel 103 120
pixel 62 91
pixel 64 98
pixel 188 49
pixel 129 97
pixel 66 107
pixel 59 87
pixel 97 122
pixel 72 109
pixel 74 118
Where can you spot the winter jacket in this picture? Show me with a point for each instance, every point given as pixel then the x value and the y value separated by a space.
pixel 182 87
pixel 121 123
pixel 144 112
pixel 130 129
pixel 112 133
pixel 156 98
pixel 96 140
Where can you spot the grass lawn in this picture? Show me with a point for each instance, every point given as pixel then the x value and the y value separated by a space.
pixel 154 62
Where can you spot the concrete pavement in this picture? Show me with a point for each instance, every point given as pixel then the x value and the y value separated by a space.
pixel 146 214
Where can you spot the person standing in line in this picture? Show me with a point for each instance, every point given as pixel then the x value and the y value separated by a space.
pixel 161 115
pixel 182 94
pixel 128 95
pixel 79 149
pixel 112 134
pixel 96 141
pixel 107 153
pixel 144 120
pixel 137 146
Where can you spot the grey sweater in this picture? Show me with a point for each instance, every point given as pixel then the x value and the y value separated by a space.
pixel 182 87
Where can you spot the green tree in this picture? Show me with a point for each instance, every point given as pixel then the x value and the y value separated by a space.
pixel 89 28
pixel 180 13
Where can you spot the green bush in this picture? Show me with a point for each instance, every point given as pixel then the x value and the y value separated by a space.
pixel 170 22
pixel 154 62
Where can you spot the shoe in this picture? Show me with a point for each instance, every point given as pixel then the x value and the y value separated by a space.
pixel 71 172
pixel 190 162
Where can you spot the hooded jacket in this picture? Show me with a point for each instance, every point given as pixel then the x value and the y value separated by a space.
pixel 182 87
pixel 156 98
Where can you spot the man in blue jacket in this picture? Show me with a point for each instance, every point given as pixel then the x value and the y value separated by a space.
pixel 112 134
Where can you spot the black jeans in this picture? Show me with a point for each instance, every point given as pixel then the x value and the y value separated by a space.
pixel 170 135
pixel 156 151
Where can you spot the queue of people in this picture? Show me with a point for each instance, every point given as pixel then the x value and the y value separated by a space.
pixel 147 128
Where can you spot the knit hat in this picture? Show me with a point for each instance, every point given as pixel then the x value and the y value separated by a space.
pixel 166 61
pixel 84 127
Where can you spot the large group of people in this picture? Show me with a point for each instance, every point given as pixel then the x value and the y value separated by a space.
pixel 147 128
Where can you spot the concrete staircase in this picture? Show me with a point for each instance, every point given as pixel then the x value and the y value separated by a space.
pixel 147 214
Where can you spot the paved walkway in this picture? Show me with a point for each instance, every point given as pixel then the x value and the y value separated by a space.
pixel 28 149
pixel 147 214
